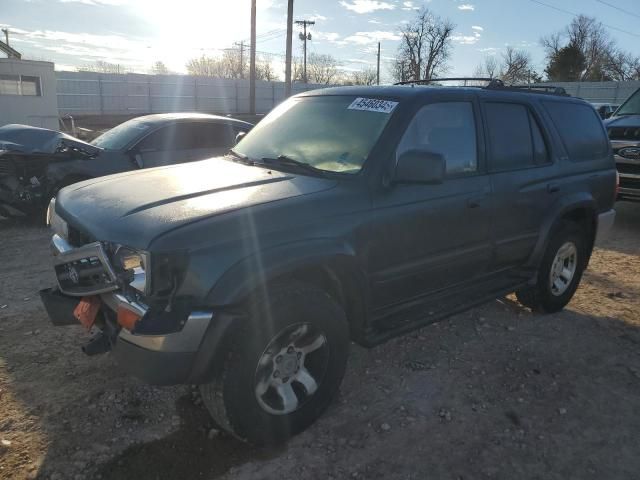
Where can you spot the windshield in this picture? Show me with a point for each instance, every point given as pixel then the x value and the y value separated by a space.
pixel 631 106
pixel 331 133
pixel 119 137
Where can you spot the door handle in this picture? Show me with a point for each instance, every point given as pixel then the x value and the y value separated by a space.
pixel 553 187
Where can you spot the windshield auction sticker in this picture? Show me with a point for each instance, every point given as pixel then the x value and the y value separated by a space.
pixel 372 105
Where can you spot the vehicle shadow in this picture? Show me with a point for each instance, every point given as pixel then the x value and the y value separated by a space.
pixel 196 450
pixel 474 365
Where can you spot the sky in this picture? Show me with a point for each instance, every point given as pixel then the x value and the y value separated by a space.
pixel 136 33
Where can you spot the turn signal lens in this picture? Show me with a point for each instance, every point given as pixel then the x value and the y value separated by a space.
pixel 127 318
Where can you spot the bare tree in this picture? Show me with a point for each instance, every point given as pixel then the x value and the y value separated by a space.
pixel 425 47
pixel 264 69
pixel 159 68
pixel 621 66
pixel 322 68
pixel 488 67
pixel 368 76
pixel 206 66
pixel 104 67
pixel 514 66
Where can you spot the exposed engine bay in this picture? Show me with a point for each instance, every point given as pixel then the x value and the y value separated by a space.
pixel 26 154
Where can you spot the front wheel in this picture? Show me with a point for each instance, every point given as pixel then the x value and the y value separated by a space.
pixel 560 270
pixel 283 365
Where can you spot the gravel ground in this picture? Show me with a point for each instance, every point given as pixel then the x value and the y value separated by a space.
pixel 496 392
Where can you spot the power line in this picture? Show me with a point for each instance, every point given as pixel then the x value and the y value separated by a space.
pixel 575 15
pixel 618 8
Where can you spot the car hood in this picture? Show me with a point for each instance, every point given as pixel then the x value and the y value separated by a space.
pixel 623 121
pixel 134 208
pixel 24 139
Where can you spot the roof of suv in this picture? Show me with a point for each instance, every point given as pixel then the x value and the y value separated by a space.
pixel 421 91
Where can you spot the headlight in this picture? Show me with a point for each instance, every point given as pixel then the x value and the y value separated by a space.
pixel 58 225
pixel 135 264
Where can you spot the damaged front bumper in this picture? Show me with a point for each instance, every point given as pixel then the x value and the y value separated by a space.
pixel 158 358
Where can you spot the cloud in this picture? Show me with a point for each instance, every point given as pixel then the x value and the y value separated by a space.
pixel 477 28
pixel 316 17
pixel 329 36
pixel 375 22
pixel 468 39
pixel 489 50
pixel 365 38
pixel 466 6
pixel 408 6
pixel 366 6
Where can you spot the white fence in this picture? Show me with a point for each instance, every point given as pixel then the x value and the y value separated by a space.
pixel 87 93
pixel 599 92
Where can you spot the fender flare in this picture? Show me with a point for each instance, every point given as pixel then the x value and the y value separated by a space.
pixel 249 273
pixel 561 208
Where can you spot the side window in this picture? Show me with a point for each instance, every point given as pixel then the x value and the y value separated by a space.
pixel 580 128
pixel 211 135
pixel 515 137
pixel 447 128
pixel 188 136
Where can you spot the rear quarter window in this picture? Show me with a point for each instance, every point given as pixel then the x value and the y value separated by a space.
pixel 580 129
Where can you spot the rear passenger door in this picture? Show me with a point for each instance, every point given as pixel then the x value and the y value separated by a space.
pixel 522 176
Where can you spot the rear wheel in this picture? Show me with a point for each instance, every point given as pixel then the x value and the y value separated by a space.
pixel 282 367
pixel 560 270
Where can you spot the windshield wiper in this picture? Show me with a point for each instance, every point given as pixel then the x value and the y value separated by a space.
pixel 286 161
pixel 241 157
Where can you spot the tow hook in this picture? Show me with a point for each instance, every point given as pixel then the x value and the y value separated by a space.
pixel 99 343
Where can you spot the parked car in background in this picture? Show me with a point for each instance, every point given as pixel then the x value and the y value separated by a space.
pixel 605 110
pixel 35 162
pixel 347 214
pixel 624 133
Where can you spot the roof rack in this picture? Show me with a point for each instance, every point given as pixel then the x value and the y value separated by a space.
pixel 493 84
pixel 435 80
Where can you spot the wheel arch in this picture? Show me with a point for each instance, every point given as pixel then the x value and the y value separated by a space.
pixel 328 265
pixel 581 209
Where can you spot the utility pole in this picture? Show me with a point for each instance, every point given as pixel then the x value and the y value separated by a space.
pixel 287 68
pixel 378 69
pixel 304 37
pixel 241 45
pixel 252 64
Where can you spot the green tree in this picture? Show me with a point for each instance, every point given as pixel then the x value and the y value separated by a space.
pixel 566 65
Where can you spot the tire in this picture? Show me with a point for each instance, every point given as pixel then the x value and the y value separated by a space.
pixel 549 296
pixel 269 357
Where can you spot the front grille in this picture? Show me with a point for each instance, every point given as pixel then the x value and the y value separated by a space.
pixel 626 182
pixel 6 167
pixel 624 133
pixel 630 168
pixel 85 271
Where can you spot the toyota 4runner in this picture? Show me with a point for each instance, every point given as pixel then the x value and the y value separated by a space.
pixel 347 214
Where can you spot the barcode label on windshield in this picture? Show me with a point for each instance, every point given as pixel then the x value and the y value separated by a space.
pixel 372 105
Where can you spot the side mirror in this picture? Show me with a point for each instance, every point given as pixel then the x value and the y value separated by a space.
pixel 240 136
pixel 420 166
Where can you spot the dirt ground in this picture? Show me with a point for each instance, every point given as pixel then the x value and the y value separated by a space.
pixel 496 392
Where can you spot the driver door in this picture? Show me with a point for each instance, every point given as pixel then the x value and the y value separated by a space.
pixel 432 237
